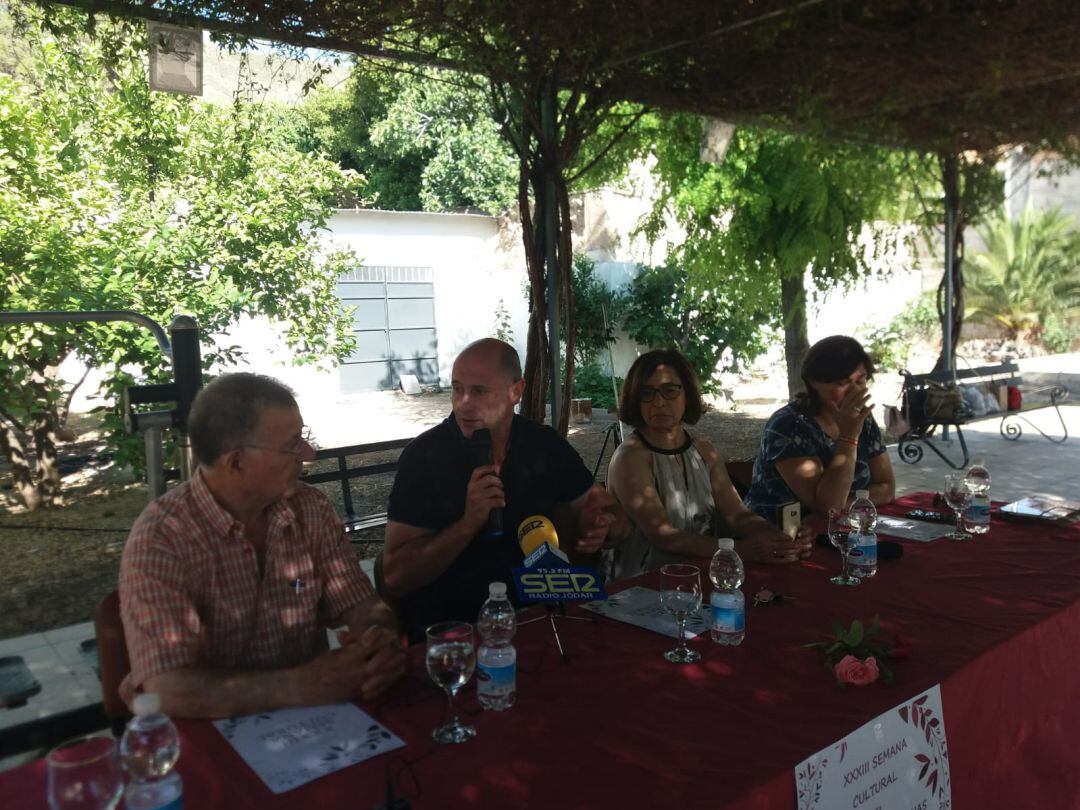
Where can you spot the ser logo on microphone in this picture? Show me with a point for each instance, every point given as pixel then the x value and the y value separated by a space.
pixel 547 575
pixel 565 584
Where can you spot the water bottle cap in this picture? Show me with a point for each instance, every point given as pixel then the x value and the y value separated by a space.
pixel 497 590
pixel 146 703
pixel 978 462
pixel 726 544
pixel 862 493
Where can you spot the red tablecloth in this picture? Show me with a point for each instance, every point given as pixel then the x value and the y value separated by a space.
pixel 994 621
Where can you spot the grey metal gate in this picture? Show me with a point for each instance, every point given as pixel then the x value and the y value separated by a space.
pixel 394 324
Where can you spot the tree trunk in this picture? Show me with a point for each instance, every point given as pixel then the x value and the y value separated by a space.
pixel 48 475
pixel 564 257
pixel 12 448
pixel 796 340
pixel 537 165
pixel 536 345
pixel 950 176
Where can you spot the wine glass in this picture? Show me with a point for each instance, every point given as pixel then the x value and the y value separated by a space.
pixel 680 593
pixel 840 536
pixel 957 496
pixel 84 774
pixel 450 663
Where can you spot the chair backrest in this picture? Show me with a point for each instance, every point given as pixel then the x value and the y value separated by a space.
pixel 113 661
pixel 741 472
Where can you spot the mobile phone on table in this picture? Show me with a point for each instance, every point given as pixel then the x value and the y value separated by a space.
pixel 789 518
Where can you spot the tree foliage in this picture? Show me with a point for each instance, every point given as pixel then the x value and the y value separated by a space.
pixel 715 322
pixel 114 197
pixel 1027 278
pixel 599 312
pixel 425 139
pixel 777 206
pixel 439 140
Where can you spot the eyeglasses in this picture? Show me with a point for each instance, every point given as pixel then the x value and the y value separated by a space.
pixel 667 391
pixel 297 447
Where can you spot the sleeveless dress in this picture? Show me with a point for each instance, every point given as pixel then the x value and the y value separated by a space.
pixel 681 479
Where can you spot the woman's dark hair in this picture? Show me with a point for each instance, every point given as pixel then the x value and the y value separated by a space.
pixel 829 360
pixel 638 375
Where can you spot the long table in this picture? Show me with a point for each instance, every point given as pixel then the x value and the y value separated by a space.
pixel 995 621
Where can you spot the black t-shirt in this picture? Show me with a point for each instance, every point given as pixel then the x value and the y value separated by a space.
pixel 540 469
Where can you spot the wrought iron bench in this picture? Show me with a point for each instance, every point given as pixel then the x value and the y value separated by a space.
pixel 345 473
pixel 923 419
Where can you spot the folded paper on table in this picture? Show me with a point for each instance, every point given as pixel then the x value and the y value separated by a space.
pixel 290 747
pixel 907 529
pixel 641 607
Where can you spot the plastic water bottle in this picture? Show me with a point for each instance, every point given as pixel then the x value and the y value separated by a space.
pixel 149 750
pixel 977 514
pixel 496 660
pixel 863 518
pixel 728 605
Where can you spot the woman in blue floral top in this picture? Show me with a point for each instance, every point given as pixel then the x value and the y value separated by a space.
pixel 823 447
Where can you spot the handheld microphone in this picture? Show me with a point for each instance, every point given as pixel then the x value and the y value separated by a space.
pixel 534 531
pixel 484 455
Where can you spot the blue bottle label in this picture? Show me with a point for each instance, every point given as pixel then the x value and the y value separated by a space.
pixel 496 680
pixel 728 612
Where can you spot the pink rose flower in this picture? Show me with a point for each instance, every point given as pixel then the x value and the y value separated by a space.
pixel 858 673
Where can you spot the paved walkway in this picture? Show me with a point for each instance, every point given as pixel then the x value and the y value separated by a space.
pixel 1028 465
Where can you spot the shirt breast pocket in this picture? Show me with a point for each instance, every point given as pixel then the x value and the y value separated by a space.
pixel 298 590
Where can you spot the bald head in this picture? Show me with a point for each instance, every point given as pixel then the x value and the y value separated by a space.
pixel 502 354
pixel 487 384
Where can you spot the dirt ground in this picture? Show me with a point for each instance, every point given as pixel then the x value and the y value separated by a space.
pixel 59 563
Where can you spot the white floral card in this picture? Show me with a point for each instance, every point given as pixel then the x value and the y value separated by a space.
pixel 290 747
pixel 897 761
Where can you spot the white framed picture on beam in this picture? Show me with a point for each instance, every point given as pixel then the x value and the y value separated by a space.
pixel 176 58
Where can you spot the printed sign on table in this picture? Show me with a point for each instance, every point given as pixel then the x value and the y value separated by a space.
pixel 290 747
pixel 897 761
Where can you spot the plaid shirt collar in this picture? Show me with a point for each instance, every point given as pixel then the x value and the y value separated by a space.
pixel 222 522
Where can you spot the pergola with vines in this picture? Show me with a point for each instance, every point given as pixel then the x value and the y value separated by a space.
pixel 951 77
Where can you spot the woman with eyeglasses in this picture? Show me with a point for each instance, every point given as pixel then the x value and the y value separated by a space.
pixel 825 446
pixel 674 486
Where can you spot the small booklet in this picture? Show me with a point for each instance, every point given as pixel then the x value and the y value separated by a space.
pixel 290 747
pixel 1051 508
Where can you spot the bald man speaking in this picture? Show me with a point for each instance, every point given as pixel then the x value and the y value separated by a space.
pixel 443 547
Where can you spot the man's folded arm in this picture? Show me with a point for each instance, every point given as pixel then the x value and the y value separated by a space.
pixel 414 557
pixel 358 671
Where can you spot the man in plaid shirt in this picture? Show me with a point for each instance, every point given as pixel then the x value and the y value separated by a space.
pixel 229 581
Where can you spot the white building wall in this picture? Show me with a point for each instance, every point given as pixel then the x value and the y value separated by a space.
pixel 477 261
pixel 1042 180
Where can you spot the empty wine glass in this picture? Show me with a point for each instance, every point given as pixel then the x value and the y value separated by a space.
pixel 840 536
pixel 957 496
pixel 84 774
pixel 450 663
pixel 680 593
